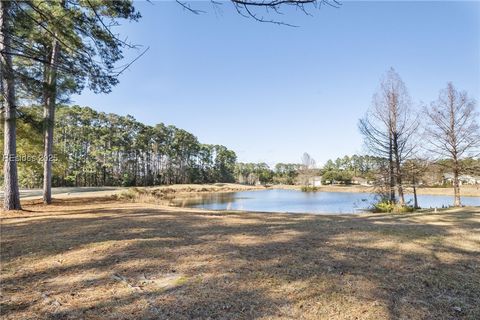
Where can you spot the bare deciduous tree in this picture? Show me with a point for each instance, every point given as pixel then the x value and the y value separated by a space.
pixel 452 130
pixel 388 128
pixel 308 162
pixel 307 169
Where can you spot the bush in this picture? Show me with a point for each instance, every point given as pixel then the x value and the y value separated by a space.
pixel 309 189
pixel 388 206
pixel 129 194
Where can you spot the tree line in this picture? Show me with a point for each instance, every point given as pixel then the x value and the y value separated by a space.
pixel 344 169
pixel 98 149
pixel 425 172
pixel 261 173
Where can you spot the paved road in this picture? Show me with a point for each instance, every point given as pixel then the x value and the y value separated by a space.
pixel 71 191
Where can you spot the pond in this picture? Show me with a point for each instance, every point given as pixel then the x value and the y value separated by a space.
pixel 276 200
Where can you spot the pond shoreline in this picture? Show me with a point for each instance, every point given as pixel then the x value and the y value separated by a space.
pixel 466 191
pixel 209 195
pixel 180 189
pixel 293 201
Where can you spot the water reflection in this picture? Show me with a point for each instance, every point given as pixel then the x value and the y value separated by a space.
pixel 206 199
pixel 303 202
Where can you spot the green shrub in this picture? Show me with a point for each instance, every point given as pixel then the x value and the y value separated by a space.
pixel 391 207
pixel 309 189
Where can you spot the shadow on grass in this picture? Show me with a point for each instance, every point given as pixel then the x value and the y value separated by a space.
pixel 146 263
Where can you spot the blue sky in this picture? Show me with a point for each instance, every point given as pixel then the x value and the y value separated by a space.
pixel 272 92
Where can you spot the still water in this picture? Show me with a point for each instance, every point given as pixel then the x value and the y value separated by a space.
pixel 276 200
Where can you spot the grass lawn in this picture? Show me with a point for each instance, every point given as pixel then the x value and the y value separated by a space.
pixel 105 259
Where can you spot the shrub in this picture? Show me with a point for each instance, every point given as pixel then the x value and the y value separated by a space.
pixel 129 194
pixel 309 189
pixel 388 206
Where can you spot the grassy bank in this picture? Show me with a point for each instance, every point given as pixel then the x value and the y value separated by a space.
pixel 105 259
pixel 164 195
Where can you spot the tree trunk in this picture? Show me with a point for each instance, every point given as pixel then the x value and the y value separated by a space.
pixel 398 173
pixel 415 199
pixel 453 138
pixel 456 185
pixel 11 192
pixel 104 175
pixel 49 120
pixel 391 173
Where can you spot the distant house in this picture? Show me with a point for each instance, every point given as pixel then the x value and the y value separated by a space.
pixel 360 181
pixel 463 179
pixel 315 181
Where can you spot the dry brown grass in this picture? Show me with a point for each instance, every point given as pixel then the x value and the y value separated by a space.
pixel 104 259
pixel 466 190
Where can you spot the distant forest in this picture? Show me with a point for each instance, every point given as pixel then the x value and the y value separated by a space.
pixel 356 169
pixel 98 149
